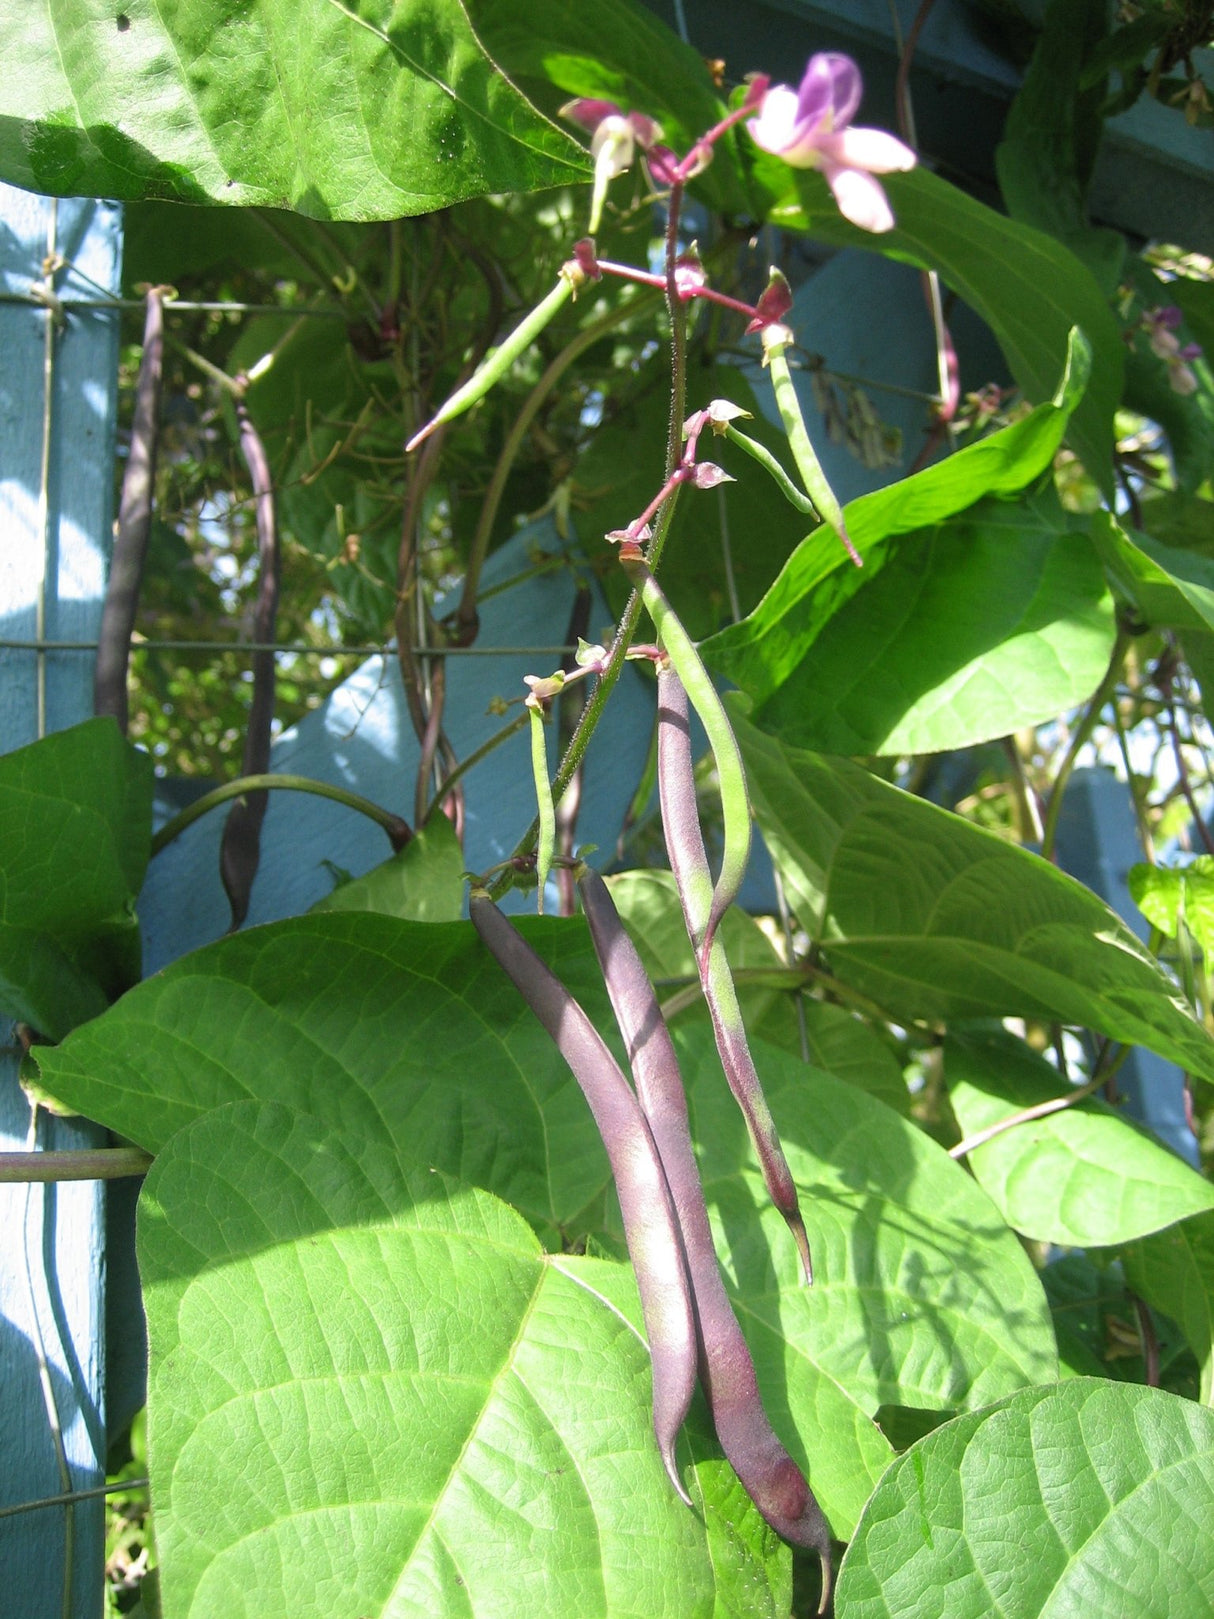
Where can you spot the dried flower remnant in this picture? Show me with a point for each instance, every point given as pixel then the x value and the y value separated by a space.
pixel 1160 325
pixel 810 128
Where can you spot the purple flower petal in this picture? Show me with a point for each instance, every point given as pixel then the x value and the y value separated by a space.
pixel 588 112
pixel 830 91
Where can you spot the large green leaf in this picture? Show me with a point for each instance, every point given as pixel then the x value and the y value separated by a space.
pixel 1083 1177
pixel 408 1037
pixel 408 1031
pixel 366 110
pixel 761 653
pixel 1174 1271
pixel 1170 587
pixel 1029 288
pixel 1090 1498
pixel 649 904
pixel 371 1390
pixel 75 830
pixel 922 1296
pixel 993 620
pixel 1052 134
pixel 935 918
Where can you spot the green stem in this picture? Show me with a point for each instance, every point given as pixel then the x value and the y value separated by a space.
pixel 479 547
pixel 86 1164
pixel 398 830
pixel 1083 731
pixel 626 628
pixel 473 759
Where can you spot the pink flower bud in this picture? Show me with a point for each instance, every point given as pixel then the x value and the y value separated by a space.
pixel 774 304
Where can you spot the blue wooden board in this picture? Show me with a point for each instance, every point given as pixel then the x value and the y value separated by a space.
pixel 52 1260
pixel 1098 843
pixel 362 738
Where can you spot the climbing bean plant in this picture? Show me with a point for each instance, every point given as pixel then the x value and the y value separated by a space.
pixel 470 1287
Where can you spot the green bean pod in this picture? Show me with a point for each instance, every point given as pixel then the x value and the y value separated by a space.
pixel 731 775
pixel 689 863
pixel 768 1473
pixel 650 1224
pixel 546 845
pixel 499 360
pixel 799 442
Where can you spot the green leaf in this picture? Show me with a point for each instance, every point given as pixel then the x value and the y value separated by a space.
pixel 649 904
pixel 407 1031
pixel 1030 289
pixel 993 620
pixel 1184 522
pixel 1051 137
pixel 370 1388
pixel 1167 896
pixel 1087 1498
pixel 1082 1177
pixel 408 1037
pixel 848 1049
pixel 424 882
pixel 362 111
pixel 1170 587
pixel 1174 1272
pixel 75 830
pixel 761 653
pixel 922 1297
pixel 1098 1330
pixel 935 918
pixel 616 51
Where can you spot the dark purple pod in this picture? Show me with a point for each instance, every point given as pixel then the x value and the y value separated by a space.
pixel 650 1224
pixel 693 879
pixel 768 1473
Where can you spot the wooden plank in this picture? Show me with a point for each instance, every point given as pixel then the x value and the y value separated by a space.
pixel 56 476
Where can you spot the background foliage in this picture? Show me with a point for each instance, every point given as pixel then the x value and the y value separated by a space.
pixel 397 1355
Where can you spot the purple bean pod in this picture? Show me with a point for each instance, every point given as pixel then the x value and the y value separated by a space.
pixel 693 878
pixel 650 1224
pixel 134 524
pixel 240 847
pixel 768 1473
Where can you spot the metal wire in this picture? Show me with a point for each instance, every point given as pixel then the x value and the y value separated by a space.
pixel 76 1495
pixel 300 647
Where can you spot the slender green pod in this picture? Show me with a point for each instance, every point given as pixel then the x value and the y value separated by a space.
pixel 541 691
pixel 775 342
pixel 499 360
pixel 768 1473
pixel 689 863
pixel 731 774
pixel 650 1224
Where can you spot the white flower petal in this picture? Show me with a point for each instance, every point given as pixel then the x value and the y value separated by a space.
pixel 870 149
pixel 775 126
pixel 860 198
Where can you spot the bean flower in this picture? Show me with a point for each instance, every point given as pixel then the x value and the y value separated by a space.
pixel 811 128
pixel 614 137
